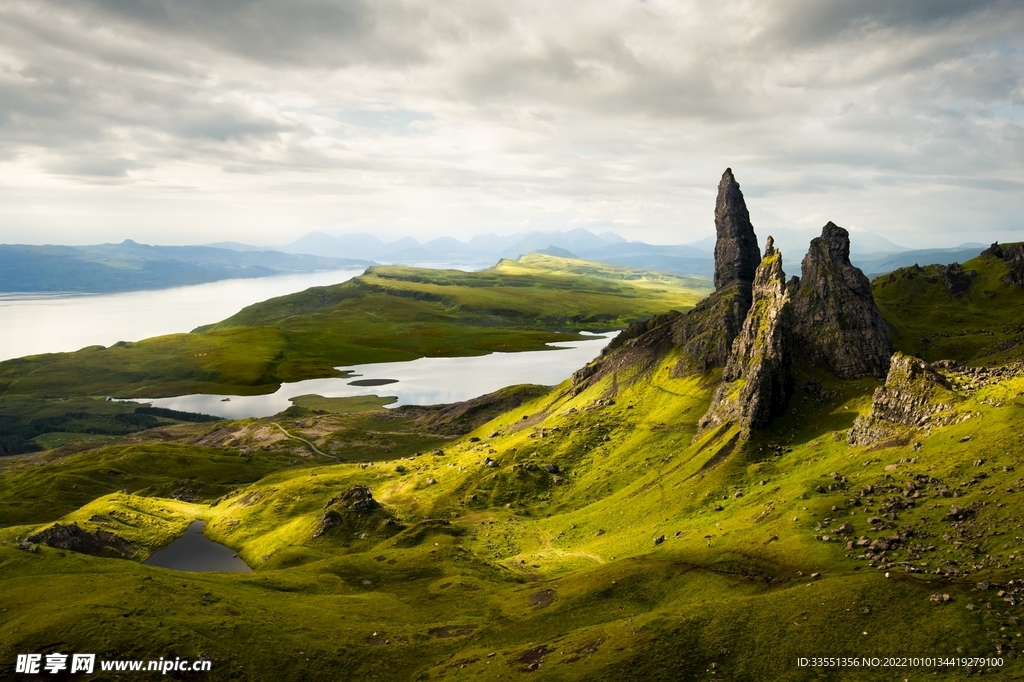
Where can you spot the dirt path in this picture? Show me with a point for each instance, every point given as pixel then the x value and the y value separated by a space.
pixel 303 440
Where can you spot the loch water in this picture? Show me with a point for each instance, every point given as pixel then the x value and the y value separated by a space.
pixel 195 552
pixel 426 381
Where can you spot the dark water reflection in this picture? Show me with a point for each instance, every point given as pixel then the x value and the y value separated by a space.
pixel 195 552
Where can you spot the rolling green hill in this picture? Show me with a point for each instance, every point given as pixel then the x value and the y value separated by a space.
pixel 387 314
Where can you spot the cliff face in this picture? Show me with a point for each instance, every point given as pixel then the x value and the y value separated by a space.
pixel 756 382
pixel 914 395
pixel 837 325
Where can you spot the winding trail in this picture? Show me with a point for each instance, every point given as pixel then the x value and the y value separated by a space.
pixel 303 440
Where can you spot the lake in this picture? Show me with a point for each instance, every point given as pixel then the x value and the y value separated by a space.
pixel 54 323
pixel 195 552
pixel 426 381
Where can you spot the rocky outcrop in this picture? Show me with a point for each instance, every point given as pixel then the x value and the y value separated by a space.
pixel 351 509
pixel 357 498
pixel 837 325
pixel 736 252
pixel 955 278
pixel 914 395
pixel 756 383
pixel 72 538
pixel 703 336
pixel 1013 256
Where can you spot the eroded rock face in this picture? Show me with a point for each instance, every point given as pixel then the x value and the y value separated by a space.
pixel 957 280
pixel 756 383
pixel 736 252
pixel 705 334
pixel 71 537
pixel 837 325
pixel 914 395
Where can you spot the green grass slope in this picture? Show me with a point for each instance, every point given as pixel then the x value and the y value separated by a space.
pixel 771 550
pixel 387 314
pixel 982 324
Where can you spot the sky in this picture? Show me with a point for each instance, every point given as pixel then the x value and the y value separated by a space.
pixel 196 121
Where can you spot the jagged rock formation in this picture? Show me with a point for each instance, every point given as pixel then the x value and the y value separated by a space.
pixel 837 325
pixel 705 334
pixel 357 498
pixel 736 252
pixel 1013 256
pixel 957 280
pixel 347 508
pixel 71 537
pixel 914 395
pixel 756 383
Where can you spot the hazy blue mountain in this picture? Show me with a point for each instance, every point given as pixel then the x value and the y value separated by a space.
pixel 129 266
pixel 236 246
pixel 873 253
pixel 874 265
pixel 360 245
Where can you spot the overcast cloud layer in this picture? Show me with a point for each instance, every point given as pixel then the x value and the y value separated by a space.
pixel 192 121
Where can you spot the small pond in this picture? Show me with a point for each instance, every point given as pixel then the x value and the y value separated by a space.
pixel 426 381
pixel 195 552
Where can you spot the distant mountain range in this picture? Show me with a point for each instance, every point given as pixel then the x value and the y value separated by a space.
pixel 873 253
pixel 128 266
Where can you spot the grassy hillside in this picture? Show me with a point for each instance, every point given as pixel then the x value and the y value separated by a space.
pixel 579 534
pixel 490 572
pixel 978 318
pixel 388 314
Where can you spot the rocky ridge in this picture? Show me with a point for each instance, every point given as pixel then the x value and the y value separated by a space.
pixel 1013 256
pixel 756 325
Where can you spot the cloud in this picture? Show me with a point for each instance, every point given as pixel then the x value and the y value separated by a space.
pixel 476 115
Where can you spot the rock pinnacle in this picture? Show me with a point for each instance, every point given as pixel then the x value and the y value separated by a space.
pixel 736 252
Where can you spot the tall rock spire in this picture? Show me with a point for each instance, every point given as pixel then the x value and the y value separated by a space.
pixel 837 324
pixel 736 252
pixel 756 383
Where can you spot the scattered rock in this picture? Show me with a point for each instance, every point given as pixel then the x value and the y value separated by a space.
pixel 660 539
pixel 72 538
